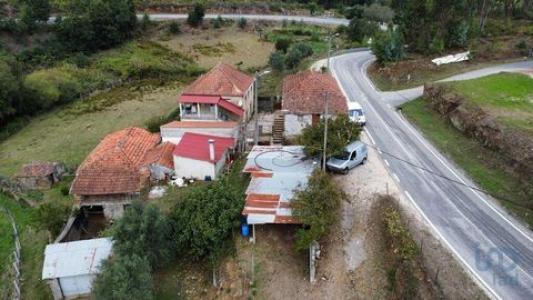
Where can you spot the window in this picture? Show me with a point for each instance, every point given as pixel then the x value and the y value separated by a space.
pixel 354 154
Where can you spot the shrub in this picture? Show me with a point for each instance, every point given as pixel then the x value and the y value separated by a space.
pixel 277 61
pixel 217 23
pixel 304 48
pixel 341 132
pixel 145 22
pixel 196 16
pixel 293 58
pixel 52 216
pixel 174 27
pixel 379 13
pixel 80 60
pixel 242 23
pixel 282 44
pixel 317 207
pixel 124 277
pixel 146 232
pixel 388 46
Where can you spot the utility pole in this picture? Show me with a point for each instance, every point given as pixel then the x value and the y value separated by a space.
pixel 326 112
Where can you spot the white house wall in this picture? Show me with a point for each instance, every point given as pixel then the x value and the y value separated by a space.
pixel 174 135
pixel 295 123
pixel 192 168
pixel 76 286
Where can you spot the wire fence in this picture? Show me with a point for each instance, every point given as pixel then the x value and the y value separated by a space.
pixel 14 278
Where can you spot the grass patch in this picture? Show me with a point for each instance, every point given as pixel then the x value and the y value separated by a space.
pixel 56 136
pixel 229 44
pixel 33 241
pixel 482 165
pixel 508 96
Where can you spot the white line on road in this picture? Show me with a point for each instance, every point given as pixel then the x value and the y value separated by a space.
pixel 396 177
pixel 370 136
pixel 386 162
pixel 417 136
pixel 455 253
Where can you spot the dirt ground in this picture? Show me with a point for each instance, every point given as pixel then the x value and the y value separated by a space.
pixel 228 44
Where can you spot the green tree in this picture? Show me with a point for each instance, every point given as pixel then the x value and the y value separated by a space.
pixel 277 61
pixel 317 206
pixel 358 29
pixel 205 216
pixel 146 232
pixel 283 44
pixel 9 87
pixel 33 11
pixel 341 132
pixel 313 7
pixel 96 24
pixel 293 58
pixel 388 46
pixel 124 277
pixel 304 48
pixel 145 22
pixel 196 16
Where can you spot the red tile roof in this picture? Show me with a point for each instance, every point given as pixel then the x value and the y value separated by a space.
pixel 161 155
pixel 196 146
pixel 113 166
pixel 223 80
pixel 200 124
pixel 303 93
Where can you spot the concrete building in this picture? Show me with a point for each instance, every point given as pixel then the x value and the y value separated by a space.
pixel 202 156
pixel 216 94
pixel 277 172
pixel 118 168
pixel 173 132
pixel 304 99
pixel 70 268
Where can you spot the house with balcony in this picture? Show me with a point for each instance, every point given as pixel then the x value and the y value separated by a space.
pixel 224 93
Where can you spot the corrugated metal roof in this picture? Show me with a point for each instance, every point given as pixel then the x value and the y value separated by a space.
pixel 277 172
pixel 75 258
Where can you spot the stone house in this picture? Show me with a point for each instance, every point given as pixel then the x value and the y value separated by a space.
pixel 39 175
pixel 304 98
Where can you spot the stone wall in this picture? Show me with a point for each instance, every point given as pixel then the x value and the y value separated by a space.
pixel 514 146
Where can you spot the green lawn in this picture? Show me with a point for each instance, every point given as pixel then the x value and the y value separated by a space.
pixel 68 134
pixel 482 165
pixel 508 96
pixel 33 241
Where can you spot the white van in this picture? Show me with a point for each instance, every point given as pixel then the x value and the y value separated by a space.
pixel 353 155
pixel 355 113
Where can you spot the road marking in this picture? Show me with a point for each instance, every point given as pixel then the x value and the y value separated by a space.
pixel 386 162
pixel 455 253
pixel 425 143
pixel 369 136
pixel 396 177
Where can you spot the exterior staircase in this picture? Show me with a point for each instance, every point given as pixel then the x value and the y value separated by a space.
pixel 278 128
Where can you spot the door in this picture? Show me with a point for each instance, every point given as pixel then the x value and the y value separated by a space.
pixel 315 119
pixel 353 160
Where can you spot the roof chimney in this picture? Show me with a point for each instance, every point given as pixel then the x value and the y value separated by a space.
pixel 211 150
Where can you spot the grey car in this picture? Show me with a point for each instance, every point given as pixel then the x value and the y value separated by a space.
pixel 354 154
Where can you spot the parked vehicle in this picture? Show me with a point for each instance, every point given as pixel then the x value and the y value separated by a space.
pixel 354 154
pixel 356 113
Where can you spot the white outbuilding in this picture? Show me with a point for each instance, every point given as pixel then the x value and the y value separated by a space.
pixel 70 268
pixel 202 156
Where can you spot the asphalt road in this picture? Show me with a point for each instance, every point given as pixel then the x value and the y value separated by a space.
pixel 491 245
pixel 279 18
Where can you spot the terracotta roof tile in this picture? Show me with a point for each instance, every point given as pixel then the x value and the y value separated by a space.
pixel 303 93
pixel 113 166
pixel 161 154
pixel 223 80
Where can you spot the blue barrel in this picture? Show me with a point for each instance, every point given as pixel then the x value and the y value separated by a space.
pixel 245 230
